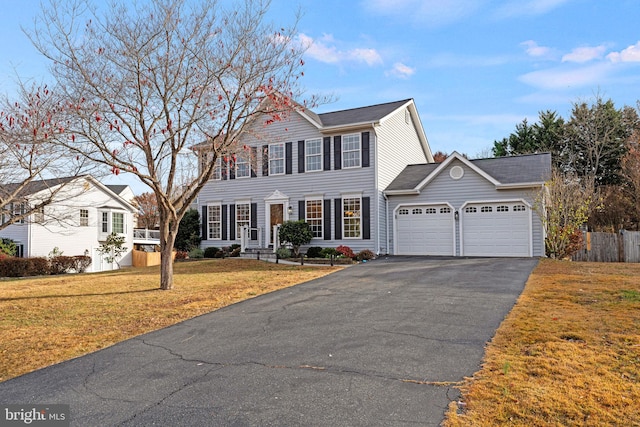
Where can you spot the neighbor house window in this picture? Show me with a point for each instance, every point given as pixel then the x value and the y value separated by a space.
pixel 243 216
pixel 351 151
pixel 351 217
pixel 117 223
pixel 276 159
pixel 18 209
pixel 105 222
pixel 111 222
pixel 313 216
pixel 84 217
pixel 214 217
pixel 313 154
pixel 38 215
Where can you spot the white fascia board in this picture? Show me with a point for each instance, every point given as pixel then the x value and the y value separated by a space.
pixel 348 127
pixel 518 185
pixel 411 192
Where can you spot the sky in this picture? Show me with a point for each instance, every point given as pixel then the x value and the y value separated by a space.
pixel 475 68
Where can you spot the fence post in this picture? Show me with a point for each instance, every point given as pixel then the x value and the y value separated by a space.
pixel 301 259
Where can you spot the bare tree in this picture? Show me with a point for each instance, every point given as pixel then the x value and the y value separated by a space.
pixel 146 81
pixel 34 170
pixel 148 215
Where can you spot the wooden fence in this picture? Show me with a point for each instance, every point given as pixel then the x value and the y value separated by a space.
pixel 610 247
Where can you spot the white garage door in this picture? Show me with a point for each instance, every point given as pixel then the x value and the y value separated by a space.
pixel 425 230
pixel 496 229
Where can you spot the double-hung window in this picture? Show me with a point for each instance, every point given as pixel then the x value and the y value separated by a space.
pixel 84 217
pixel 313 216
pixel 351 217
pixel 217 170
pixel 243 167
pixel 351 151
pixel 276 159
pixel 214 218
pixel 243 216
pixel 110 222
pixel 117 222
pixel 313 154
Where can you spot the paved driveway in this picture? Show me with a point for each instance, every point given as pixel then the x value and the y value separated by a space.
pixel 379 343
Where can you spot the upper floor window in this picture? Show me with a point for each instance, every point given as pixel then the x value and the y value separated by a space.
pixel 313 216
pixel 84 217
pixel 217 170
pixel 214 218
pixel 117 222
pixel 313 154
pixel 38 215
pixel 351 151
pixel 243 167
pixel 111 222
pixel 351 216
pixel 276 159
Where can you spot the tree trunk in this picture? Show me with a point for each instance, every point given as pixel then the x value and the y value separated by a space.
pixel 167 239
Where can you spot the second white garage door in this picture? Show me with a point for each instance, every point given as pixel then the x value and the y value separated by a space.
pixel 425 230
pixel 496 229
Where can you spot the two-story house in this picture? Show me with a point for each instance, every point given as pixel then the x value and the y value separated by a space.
pixel 329 169
pixel 82 213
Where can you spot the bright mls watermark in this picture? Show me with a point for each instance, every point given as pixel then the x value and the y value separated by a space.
pixel 35 415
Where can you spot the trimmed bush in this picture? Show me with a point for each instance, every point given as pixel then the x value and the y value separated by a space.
pixel 211 252
pixel 327 252
pixel 314 252
pixel 39 267
pixel 62 264
pixel 365 254
pixel 81 263
pixel 196 253
pixel 346 251
pixel 283 253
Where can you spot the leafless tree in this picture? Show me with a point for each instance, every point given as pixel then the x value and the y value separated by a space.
pixel 34 170
pixel 148 215
pixel 146 81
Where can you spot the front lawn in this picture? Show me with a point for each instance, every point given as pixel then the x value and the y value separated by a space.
pixel 51 319
pixel 567 354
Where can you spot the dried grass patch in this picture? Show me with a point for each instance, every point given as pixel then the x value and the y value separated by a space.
pixel 567 354
pixel 51 319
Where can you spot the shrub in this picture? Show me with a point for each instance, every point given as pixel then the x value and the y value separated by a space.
pixel 345 251
pixel 235 252
pixel 283 253
pixel 39 267
pixel 196 253
pixel 365 254
pixel 211 252
pixel 61 264
pixel 81 263
pixel 327 252
pixel 314 252
pixel 182 254
pixel 296 233
pixel 8 247
pixel 22 267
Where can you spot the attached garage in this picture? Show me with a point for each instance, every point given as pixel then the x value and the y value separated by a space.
pixel 496 229
pixel 463 207
pixel 425 230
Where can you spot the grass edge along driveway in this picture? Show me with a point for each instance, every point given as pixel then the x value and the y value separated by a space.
pixel 567 354
pixel 47 320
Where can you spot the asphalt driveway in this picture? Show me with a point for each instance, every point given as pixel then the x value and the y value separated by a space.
pixel 380 343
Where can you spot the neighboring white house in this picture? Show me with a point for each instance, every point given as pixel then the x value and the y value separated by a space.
pixel 365 178
pixel 82 215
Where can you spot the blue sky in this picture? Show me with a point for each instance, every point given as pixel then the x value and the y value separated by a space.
pixel 475 68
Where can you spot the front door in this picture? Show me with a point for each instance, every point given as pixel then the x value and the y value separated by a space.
pixel 276 215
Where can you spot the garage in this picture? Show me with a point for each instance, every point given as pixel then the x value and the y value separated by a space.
pixel 425 230
pixel 496 229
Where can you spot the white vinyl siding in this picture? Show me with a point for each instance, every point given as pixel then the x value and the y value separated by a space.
pixel 313 155
pixel 351 147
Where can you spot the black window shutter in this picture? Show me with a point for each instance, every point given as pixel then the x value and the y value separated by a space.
pixel 365 149
pixel 288 161
pixel 254 221
pixel 224 168
pixel 254 162
pixel 366 218
pixel 326 149
pixel 337 152
pixel 232 168
pixel 326 214
pixel 232 222
pixel 338 218
pixel 203 218
pixel 301 164
pixel 265 160
pixel 301 211
pixel 224 222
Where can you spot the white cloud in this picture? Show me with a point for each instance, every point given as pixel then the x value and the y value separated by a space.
pixel 515 8
pixel 434 13
pixel 584 54
pixel 401 70
pixel 562 78
pixel 325 50
pixel 533 49
pixel 630 54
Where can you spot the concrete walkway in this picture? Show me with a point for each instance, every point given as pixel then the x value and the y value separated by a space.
pixel 377 344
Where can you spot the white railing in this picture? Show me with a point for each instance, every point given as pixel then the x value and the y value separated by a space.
pixel 245 237
pixel 144 234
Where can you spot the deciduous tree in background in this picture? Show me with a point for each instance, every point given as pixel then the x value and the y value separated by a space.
pixel 148 215
pixel 146 81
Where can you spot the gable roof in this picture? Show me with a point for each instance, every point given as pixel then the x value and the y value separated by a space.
pixel 368 114
pixel 529 170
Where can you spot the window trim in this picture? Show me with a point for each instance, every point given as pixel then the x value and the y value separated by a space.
pixel 211 223
pixel 239 160
pixel 319 220
pixel 238 222
pixel 344 151
pixel 308 156
pixel 345 218
pixel 273 159
pixel 83 219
